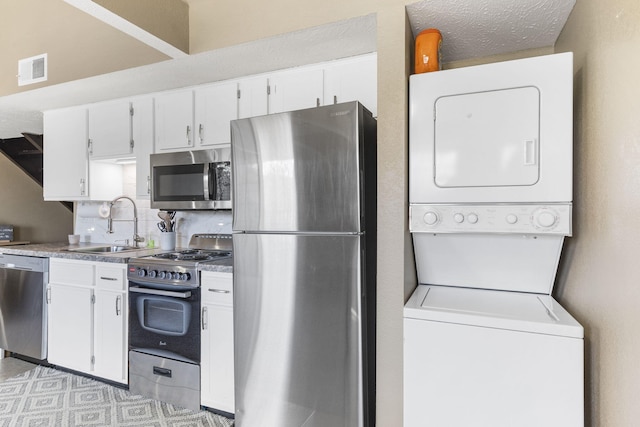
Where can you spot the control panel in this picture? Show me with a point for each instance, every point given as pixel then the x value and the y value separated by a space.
pixel 162 275
pixel 499 218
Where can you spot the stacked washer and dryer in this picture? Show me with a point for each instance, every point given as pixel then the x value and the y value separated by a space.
pixel 485 343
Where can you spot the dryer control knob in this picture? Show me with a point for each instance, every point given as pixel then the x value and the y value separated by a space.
pixel 512 218
pixel 458 217
pixel 430 218
pixel 472 218
pixel 545 218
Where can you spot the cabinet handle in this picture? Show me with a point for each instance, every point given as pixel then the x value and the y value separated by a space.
pixel 204 318
pixel 148 184
pixel 188 135
pixel 335 99
pixel 317 102
pixel 219 291
pixel 201 132
pixel 113 279
pixel 82 186
pixel 118 309
pixel 48 295
pixel 90 146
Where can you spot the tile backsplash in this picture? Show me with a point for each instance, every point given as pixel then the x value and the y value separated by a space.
pixel 92 227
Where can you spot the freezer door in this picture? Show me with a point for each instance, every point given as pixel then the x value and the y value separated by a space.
pixel 303 170
pixel 299 331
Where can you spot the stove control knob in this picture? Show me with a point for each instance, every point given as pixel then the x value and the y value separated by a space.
pixel 142 272
pixel 162 275
pixel 171 275
pixel 185 277
pixel 153 274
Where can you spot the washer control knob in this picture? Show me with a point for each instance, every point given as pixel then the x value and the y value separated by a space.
pixel 472 218
pixel 430 218
pixel 458 217
pixel 512 218
pixel 545 218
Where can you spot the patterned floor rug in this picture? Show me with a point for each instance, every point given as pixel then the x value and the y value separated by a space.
pixel 44 397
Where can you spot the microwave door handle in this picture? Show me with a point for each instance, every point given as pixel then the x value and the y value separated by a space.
pixel 206 181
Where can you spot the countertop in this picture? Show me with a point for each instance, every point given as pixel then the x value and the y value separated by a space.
pixel 61 250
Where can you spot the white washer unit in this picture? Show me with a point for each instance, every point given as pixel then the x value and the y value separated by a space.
pixel 490 205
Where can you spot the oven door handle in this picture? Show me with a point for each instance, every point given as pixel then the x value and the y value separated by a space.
pixel 139 290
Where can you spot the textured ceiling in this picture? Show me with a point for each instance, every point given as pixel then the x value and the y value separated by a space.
pixel 479 28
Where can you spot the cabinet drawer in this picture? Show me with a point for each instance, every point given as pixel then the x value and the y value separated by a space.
pixel 110 276
pixel 217 288
pixel 71 272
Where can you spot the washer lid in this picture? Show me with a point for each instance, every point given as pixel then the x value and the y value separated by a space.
pixel 494 309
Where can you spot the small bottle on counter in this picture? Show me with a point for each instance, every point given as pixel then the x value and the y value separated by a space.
pixel 427 52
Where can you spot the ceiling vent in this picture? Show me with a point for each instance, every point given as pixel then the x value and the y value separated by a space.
pixel 32 70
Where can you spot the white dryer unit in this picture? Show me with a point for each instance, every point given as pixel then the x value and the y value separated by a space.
pixel 490 193
pixel 492 133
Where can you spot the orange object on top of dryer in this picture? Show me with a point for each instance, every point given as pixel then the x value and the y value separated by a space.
pixel 427 52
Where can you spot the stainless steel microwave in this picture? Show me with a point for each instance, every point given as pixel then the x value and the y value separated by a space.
pixel 188 180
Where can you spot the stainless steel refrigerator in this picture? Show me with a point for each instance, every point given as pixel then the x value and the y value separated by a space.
pixel 304 248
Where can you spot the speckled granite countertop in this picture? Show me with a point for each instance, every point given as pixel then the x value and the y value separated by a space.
pixel 61 250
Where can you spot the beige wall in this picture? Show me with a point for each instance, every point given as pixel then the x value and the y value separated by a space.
pixel 600 274
pixel 21 205
pixel 77 45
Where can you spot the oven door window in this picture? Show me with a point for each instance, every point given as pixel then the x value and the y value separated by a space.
pixel 179 183
pixel 164 315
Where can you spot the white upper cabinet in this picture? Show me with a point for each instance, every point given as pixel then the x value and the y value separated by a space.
pixel 295 90
pixel 215 106
pixel 110 129
pixel 174 120
pixel 353 79
pixel 253 99
pixel 143 143
pixel 66 163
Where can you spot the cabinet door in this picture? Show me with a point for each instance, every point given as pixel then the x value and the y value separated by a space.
pixel 217 368
pixel 110 129
pixel 110 335
pixel 353 79
pixel 295 90
pixel 253 100
pixel 143 144
pixel 216 106
pixel 174 120
pixel 70 324
pixel 65 159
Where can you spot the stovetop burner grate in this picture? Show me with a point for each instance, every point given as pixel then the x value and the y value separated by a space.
pixel 193 255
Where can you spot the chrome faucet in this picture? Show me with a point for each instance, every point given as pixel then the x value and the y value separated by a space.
pixel 136 238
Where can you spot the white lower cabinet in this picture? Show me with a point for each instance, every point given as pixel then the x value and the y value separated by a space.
pixel 216 370
pixel 87 318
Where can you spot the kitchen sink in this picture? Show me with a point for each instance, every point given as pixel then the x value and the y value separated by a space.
pixel 103 249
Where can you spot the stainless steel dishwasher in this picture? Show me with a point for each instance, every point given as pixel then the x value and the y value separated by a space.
pixel 23 315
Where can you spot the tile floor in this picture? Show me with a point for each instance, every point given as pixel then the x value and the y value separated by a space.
pixel 10 367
